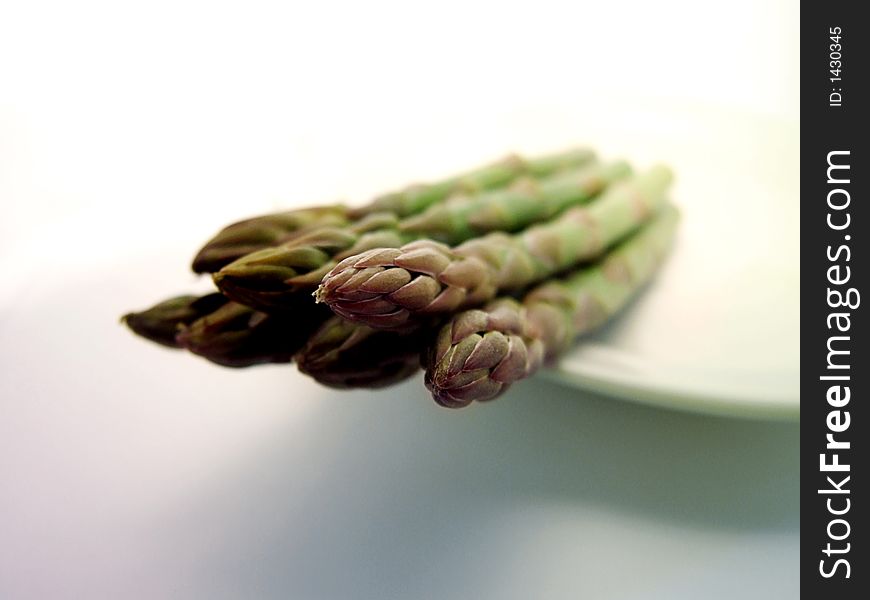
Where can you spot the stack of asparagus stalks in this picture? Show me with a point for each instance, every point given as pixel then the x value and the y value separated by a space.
pixel 480 279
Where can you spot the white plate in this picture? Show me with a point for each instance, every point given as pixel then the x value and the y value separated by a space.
pixel 718 331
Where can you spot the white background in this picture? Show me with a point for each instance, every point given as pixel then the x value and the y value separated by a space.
pixel 129 133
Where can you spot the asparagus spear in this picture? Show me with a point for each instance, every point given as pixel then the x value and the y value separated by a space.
pixel 236 335
pixel 161 322
pixel 389 287
pixel 274 279
pixel 265 231
pixel 479 353
pixel 226 332
pixel 250 235
pixel 271 277
pixel 417 198
pixel 346 355
pixel 527 201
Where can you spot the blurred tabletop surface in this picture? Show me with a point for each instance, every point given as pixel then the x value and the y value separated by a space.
pixel 185 480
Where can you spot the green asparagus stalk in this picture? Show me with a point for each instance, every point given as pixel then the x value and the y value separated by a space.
pixel 389 287
pixel 479 353
pixel 266 231
pixel 236 335
pixel 417 198
pixel 275 279
pixel 250 235
pixel 346 355
pixel 161 322
pixel 271 277
pixel 527 201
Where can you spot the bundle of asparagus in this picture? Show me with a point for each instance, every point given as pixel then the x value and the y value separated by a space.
pixel 428 276
pixel 386 287
pixel 274 277
pixel 244 237
pixel 480 352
